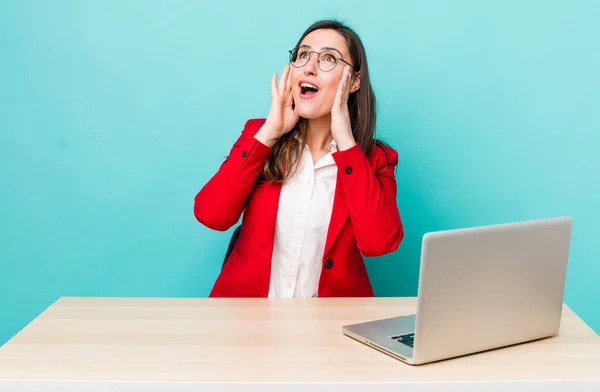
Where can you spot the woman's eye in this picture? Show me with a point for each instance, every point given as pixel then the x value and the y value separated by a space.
pixel 329 57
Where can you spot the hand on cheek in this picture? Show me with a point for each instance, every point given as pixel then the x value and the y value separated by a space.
pixel 341 128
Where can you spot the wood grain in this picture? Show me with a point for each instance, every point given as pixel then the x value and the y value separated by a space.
pixel 201 339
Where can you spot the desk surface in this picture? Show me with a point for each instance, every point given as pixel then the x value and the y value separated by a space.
pixel 261 340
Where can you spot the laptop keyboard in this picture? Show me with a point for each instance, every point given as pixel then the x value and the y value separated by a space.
pixel 407 338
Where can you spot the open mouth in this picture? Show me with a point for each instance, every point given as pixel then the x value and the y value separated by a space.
pixel 308 90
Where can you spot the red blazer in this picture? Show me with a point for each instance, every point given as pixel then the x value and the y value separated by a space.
pixel 365 218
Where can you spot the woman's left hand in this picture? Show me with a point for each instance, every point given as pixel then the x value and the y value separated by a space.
pixel 341 128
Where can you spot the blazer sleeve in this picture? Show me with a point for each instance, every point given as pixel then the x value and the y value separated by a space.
pixel 370 192
pixel 219 204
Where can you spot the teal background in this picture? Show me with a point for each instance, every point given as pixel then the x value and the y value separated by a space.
pixel 113 114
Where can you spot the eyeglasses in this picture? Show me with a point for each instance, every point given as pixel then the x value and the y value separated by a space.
pixel 326 61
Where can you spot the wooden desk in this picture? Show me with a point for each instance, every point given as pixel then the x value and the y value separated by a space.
pixel 194 344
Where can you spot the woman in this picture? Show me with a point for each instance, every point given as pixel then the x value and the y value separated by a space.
pixel 317 190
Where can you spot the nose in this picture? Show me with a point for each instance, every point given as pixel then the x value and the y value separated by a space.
pixel 310 68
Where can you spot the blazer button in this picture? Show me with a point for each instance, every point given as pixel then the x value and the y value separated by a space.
pixel 348 170
pixel 329 263
pixel 244 153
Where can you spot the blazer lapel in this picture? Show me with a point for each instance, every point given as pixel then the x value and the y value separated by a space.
pixel 272 192
pixel 339 214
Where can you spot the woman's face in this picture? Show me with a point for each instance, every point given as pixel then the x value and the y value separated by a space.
pixel 313 89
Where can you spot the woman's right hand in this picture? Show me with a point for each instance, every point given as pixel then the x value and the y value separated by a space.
pixel 282 116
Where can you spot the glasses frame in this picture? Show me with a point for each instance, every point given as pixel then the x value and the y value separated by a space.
pixel 318 60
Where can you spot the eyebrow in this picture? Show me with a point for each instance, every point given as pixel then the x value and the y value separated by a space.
pixel 323 48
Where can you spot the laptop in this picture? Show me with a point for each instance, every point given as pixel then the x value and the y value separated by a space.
pixel 480 289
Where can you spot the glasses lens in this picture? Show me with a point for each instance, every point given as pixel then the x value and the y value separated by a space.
pixel 327 61
pixel 298 58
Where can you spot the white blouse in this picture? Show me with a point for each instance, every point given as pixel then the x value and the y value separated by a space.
pixel 303 216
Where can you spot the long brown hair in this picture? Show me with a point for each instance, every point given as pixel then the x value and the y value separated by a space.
pixel 285 157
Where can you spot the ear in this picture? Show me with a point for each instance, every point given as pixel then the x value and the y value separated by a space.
pixel 355 84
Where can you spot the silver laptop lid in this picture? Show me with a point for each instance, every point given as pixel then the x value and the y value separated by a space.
pixel 487 287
